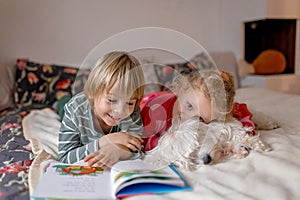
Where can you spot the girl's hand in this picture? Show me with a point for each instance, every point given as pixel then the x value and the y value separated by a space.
pixel 107 155
pixel 129 140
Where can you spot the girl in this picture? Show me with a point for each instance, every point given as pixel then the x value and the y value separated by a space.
pixel 102 125
pixel 207 95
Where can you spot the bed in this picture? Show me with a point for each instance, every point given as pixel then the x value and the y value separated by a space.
pixel 268 175
pixel 37 86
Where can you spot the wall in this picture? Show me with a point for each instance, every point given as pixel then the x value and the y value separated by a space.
pixel 233 14
pixel 283 9
pixel 65 31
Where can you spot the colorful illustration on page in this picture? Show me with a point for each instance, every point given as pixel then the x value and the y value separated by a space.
pixel 77 170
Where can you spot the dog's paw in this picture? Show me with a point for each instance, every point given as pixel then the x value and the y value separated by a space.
pixel 261 147
pixel 266 125
pixel 263 121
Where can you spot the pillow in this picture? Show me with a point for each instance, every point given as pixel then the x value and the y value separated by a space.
pixel 269 61
pixel 61 104
pixel 42 83
pixel 226 61
pixel 81 78
pixel 202 61
pixel 152 83
pixel 7 79
pixel 166 72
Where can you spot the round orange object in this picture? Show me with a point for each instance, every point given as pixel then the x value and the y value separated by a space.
pixel 269 62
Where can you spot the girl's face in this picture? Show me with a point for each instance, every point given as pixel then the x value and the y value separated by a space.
pixel 193 103
pixel 110 108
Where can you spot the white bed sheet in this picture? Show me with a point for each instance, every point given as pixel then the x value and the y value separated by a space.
pixel 269 175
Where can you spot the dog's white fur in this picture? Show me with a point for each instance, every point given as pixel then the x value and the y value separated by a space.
pixel 263 121
pixel 192 144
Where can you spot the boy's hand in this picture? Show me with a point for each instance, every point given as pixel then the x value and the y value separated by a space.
pixel 107 155
pixel 129 140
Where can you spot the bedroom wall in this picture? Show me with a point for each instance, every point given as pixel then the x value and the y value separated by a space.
pixel 283 9
pixel 65 31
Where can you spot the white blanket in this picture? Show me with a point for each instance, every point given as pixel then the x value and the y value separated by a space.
pixel 41 128
pixel 269 175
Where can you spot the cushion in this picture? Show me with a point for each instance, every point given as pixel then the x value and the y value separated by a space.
pixel 166 72
pixel 81 78
pixel 7 79
pixel 38 83
pixel 269 62
pixel 226 61
pixel 202 61
pixel 152 83
pixel 61 104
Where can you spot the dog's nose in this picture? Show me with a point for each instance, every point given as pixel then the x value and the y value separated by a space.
pixel 207 159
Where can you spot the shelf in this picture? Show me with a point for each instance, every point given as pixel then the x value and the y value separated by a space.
pixel 288 83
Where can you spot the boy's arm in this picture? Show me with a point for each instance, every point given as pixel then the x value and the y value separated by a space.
pixel 70 147
pixel 135 125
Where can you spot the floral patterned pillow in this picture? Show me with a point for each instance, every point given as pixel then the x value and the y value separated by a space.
pixel 202 61
pixel 81 78
pixel 166 73
pixel 38 83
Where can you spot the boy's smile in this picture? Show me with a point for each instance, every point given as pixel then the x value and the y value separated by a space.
pixel 112 107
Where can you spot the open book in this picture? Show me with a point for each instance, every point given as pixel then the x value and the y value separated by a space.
pixel 124 179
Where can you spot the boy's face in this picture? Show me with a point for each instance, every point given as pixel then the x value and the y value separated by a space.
pixel 193 103
pixel 111 107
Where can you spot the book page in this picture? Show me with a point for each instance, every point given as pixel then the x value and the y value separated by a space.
pixel 126 173
pixel 126 178
pixel 74 182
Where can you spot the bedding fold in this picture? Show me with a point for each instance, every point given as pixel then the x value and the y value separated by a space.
pixel 41 128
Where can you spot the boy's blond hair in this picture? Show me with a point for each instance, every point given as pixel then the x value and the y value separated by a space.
pixel 218 87
pixel 118 69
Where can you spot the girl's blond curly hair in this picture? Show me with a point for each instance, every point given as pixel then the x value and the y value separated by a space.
pixel 217 86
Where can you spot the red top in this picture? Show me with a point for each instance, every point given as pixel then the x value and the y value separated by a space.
pixel 241 112
pixel 157 109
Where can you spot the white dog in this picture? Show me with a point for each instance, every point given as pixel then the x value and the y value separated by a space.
pixel 191 144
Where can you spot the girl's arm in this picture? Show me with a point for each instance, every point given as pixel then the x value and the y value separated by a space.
pixel 240 112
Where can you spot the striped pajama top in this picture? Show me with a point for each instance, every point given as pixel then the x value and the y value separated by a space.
pixel 78 135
